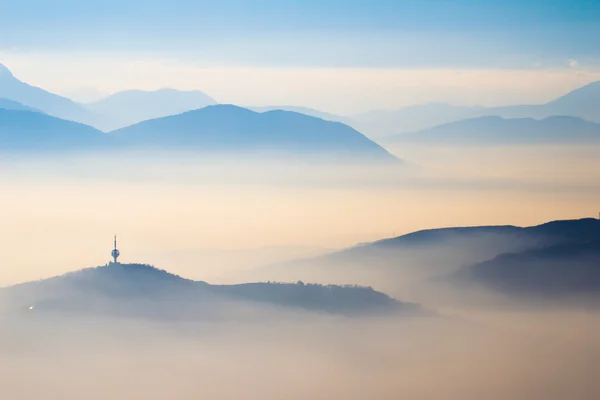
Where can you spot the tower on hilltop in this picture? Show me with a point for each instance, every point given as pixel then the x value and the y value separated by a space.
pixel 115 253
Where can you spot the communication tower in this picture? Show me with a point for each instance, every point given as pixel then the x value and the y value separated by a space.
pixel 115 253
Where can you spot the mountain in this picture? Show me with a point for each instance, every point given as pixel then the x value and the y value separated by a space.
pixel 231 129
pixel 15 106
pixel 583 102
pixel 493 130
pixel 133 106
pixel 13 89
pixel 144 291
pixel 306 111
pixel 566 269
pixel 386 123
pixel 549 232
pixel 26 130
pixel 397 263
pixel 218 129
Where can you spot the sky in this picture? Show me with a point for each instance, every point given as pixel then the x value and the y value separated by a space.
pixel 340 56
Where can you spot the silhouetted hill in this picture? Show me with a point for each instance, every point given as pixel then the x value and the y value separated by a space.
pixel 566 269
pixel 493 130
pixel 133 106
pixel 551 232
pixel 395 262
pixel 142 290
pixel 226 128
pixel 26 130
pixel 331 298
pixel 554 231
pixel 13 89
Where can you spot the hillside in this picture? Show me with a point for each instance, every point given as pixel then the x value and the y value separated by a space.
pixel 133 106
pixel 143 290
pixel 13 89
pixel 231 129
pixel 26 130
pixel 566 269
pixel 13 105
pixel 392 264
pixel 493 130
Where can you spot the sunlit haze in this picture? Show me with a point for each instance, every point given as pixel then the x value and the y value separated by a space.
pixel 303 199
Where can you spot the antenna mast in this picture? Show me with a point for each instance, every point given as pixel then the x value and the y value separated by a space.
pixel 115 253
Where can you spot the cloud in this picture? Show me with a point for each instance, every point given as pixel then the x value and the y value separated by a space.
pixel 573 63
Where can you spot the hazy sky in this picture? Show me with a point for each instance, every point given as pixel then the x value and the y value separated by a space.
pixel 341 56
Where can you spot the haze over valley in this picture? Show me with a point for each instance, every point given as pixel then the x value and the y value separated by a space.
pixel 299 200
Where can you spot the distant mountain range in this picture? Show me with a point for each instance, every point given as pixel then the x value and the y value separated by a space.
pixel 218 129
pixel 493 130
pixel 583 103
pixel 116 111
pixel 133 106
pixel 387 123
pixel 130 107
pixel 33 97
pixel 137 290
pixel 227 128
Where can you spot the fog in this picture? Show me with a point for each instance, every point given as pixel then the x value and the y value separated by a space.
pixel 231 221
pixel 295 356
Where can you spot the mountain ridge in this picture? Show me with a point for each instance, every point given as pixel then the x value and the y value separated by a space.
pixel 219 129
pixel 582 102
pixel 232 128
pixel 496 130
pixel 13 89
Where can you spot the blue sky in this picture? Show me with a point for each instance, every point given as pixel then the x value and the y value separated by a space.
pixel 340 56
pixel 424 33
